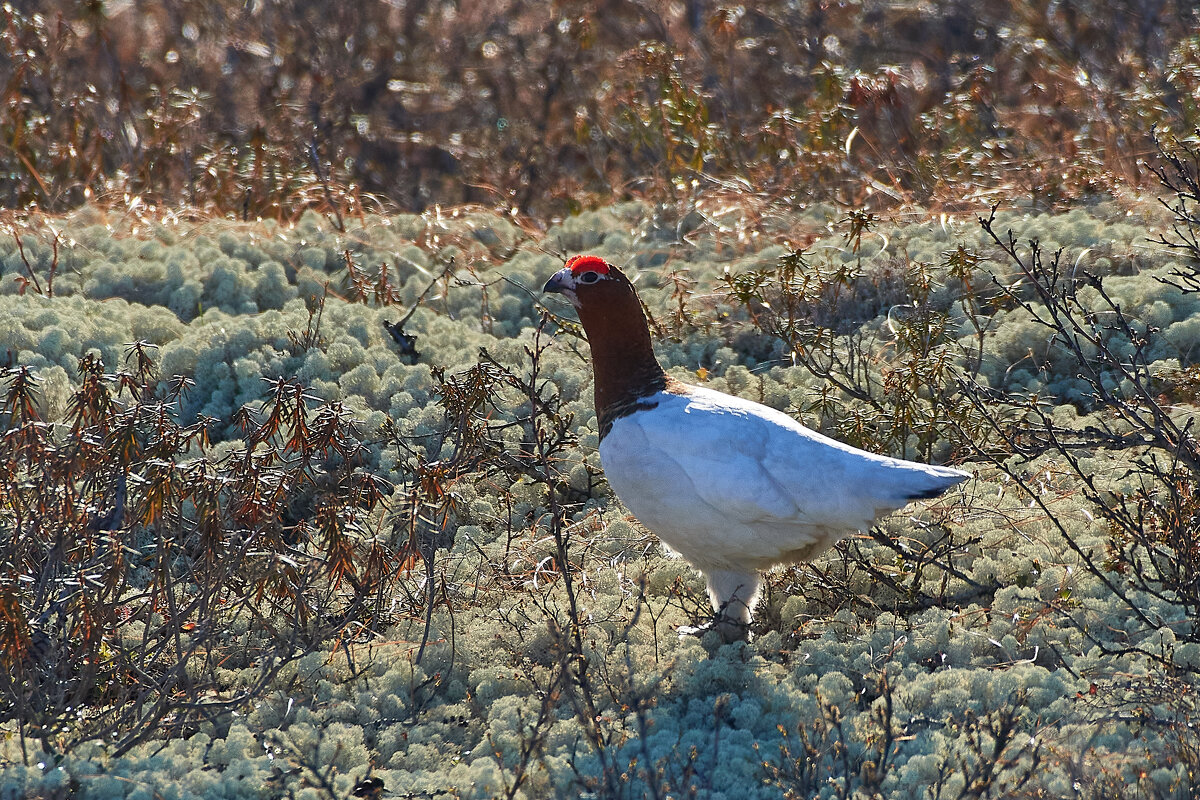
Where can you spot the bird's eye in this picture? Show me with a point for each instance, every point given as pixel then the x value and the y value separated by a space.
pixel 589 277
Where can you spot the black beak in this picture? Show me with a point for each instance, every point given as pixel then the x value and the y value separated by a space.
pixel 557 282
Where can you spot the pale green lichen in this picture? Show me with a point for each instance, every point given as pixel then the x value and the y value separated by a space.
pixel 1042 642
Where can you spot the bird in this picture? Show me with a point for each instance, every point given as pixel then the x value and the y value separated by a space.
pixel 733 486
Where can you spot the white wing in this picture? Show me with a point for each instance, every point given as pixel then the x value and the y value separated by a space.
pixel 726 480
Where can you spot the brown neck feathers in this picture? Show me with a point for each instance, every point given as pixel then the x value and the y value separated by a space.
pixel 623 362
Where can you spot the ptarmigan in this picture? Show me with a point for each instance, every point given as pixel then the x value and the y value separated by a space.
pixel 733 486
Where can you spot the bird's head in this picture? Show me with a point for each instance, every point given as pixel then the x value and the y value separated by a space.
pixel 611 314
pixel 588 281
pixel 608 307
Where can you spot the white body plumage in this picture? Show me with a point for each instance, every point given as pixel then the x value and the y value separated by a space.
pixel 736 487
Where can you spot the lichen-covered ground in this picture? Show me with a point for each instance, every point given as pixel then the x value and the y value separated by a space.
pixel 1015 673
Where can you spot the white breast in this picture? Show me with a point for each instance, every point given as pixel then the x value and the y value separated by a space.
pixel 732 484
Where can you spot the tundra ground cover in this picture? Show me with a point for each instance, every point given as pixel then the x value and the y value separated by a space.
pixel 337 557
pixel 293 500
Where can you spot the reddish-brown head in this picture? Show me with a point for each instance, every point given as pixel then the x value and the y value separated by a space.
pixel 611 314
pixel 607 304
pixel 579 273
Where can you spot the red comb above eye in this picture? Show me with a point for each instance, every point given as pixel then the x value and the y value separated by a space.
pixel 580 264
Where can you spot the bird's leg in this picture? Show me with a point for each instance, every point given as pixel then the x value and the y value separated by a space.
pixel 734 596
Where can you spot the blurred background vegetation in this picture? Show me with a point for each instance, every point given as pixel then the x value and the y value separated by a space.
pixel 261 108
pixel 299 482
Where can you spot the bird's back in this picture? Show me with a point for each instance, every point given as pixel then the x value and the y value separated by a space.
pixel 729 481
